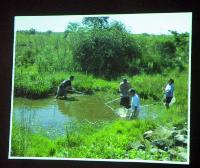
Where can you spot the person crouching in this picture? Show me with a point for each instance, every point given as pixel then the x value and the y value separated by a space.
pixel 64 87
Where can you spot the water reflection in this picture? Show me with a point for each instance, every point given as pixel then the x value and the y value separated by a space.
pixel 52 112
pixel 86 108
pixel 54 115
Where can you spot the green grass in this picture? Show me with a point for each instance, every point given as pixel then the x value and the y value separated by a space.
pixel 117 140
pixel 107 140
pixel 43 61
pixel 30 83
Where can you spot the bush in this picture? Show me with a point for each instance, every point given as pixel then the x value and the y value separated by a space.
pixel 96 53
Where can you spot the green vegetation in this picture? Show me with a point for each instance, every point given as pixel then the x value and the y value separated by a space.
pixel 106 50
pixel 99 54
pixel 118 140
pixel 112 139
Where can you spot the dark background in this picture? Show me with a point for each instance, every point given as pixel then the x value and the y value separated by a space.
pixel 9 9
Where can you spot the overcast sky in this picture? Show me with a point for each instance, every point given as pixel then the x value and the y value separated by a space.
pixel 157 23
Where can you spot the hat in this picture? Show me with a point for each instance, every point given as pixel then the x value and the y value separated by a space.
pixel 132 90
pixel 71 77
pixel 171 80
pixel 125 80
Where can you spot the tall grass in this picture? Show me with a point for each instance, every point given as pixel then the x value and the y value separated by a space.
pixel 117 140
pixel 30 83
pixel 107 140
pixel 43 61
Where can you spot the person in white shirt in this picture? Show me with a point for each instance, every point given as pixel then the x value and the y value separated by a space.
pixel 135 103
pixel 169 92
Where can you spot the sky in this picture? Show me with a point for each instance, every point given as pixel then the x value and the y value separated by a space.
pixel 152 23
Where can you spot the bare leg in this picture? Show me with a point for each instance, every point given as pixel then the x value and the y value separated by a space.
pixel 65 94
pixel 58 92
pixel 132 115
pixel 167 105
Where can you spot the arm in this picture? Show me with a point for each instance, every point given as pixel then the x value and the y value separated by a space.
pixel 130 86
pixel 120 89
pixel 167 88
pixel 68 85
pixel 69 88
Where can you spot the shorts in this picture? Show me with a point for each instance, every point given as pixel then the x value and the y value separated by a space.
pixel 61 92
pixel 125 101
pixel 168 99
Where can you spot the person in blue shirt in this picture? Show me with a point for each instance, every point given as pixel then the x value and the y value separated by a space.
pixel 169 92
pixel 64 87
pixel 135 103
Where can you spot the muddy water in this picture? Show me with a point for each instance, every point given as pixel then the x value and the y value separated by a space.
pixel 148 111
pixel 54 114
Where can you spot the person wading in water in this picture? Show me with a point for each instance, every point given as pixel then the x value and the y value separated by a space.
pixel 124 93
pixel 135 104
pixel 169 92
pixel 64 88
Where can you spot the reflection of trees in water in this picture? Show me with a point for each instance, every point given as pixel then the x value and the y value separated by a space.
pixel 22 128
pixel 24 115
pixel 38 103
pixel 27 116
pixel 85 107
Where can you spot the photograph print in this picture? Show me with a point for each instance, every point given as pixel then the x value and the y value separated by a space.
pixel 112 87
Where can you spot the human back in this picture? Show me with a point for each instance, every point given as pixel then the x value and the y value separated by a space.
pixel 64 87
pixel 66 83
pixel 124 88
pixel 135 103
pixel 124 93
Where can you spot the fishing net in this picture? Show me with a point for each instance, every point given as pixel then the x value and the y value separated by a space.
pixel 147 111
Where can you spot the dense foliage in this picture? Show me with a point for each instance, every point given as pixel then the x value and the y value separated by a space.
pixel 99 53
pixel 101 48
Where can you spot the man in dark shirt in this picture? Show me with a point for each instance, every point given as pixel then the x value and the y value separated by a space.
pixel 124 93
pixel 64 87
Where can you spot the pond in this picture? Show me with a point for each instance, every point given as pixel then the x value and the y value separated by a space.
pixel 54 114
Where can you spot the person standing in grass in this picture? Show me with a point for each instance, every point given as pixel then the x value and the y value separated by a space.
pixel 169 92
pixel 124 94
pixel 64 87
pixel 135 103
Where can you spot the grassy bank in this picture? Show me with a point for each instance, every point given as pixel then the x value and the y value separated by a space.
pixel 30 83
pixel 99 58
pixel 121 139
pixel 118 140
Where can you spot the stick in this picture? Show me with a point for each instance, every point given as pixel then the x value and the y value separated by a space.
pixel 76 91
pixel 112 101
pixel 109 107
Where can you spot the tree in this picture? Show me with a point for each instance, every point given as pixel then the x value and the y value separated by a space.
pixel 32 31
pixel 181 41
pixel 48 32
pixel 117 25
pixel 71 27
pixel 104 52
pixel 96 22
